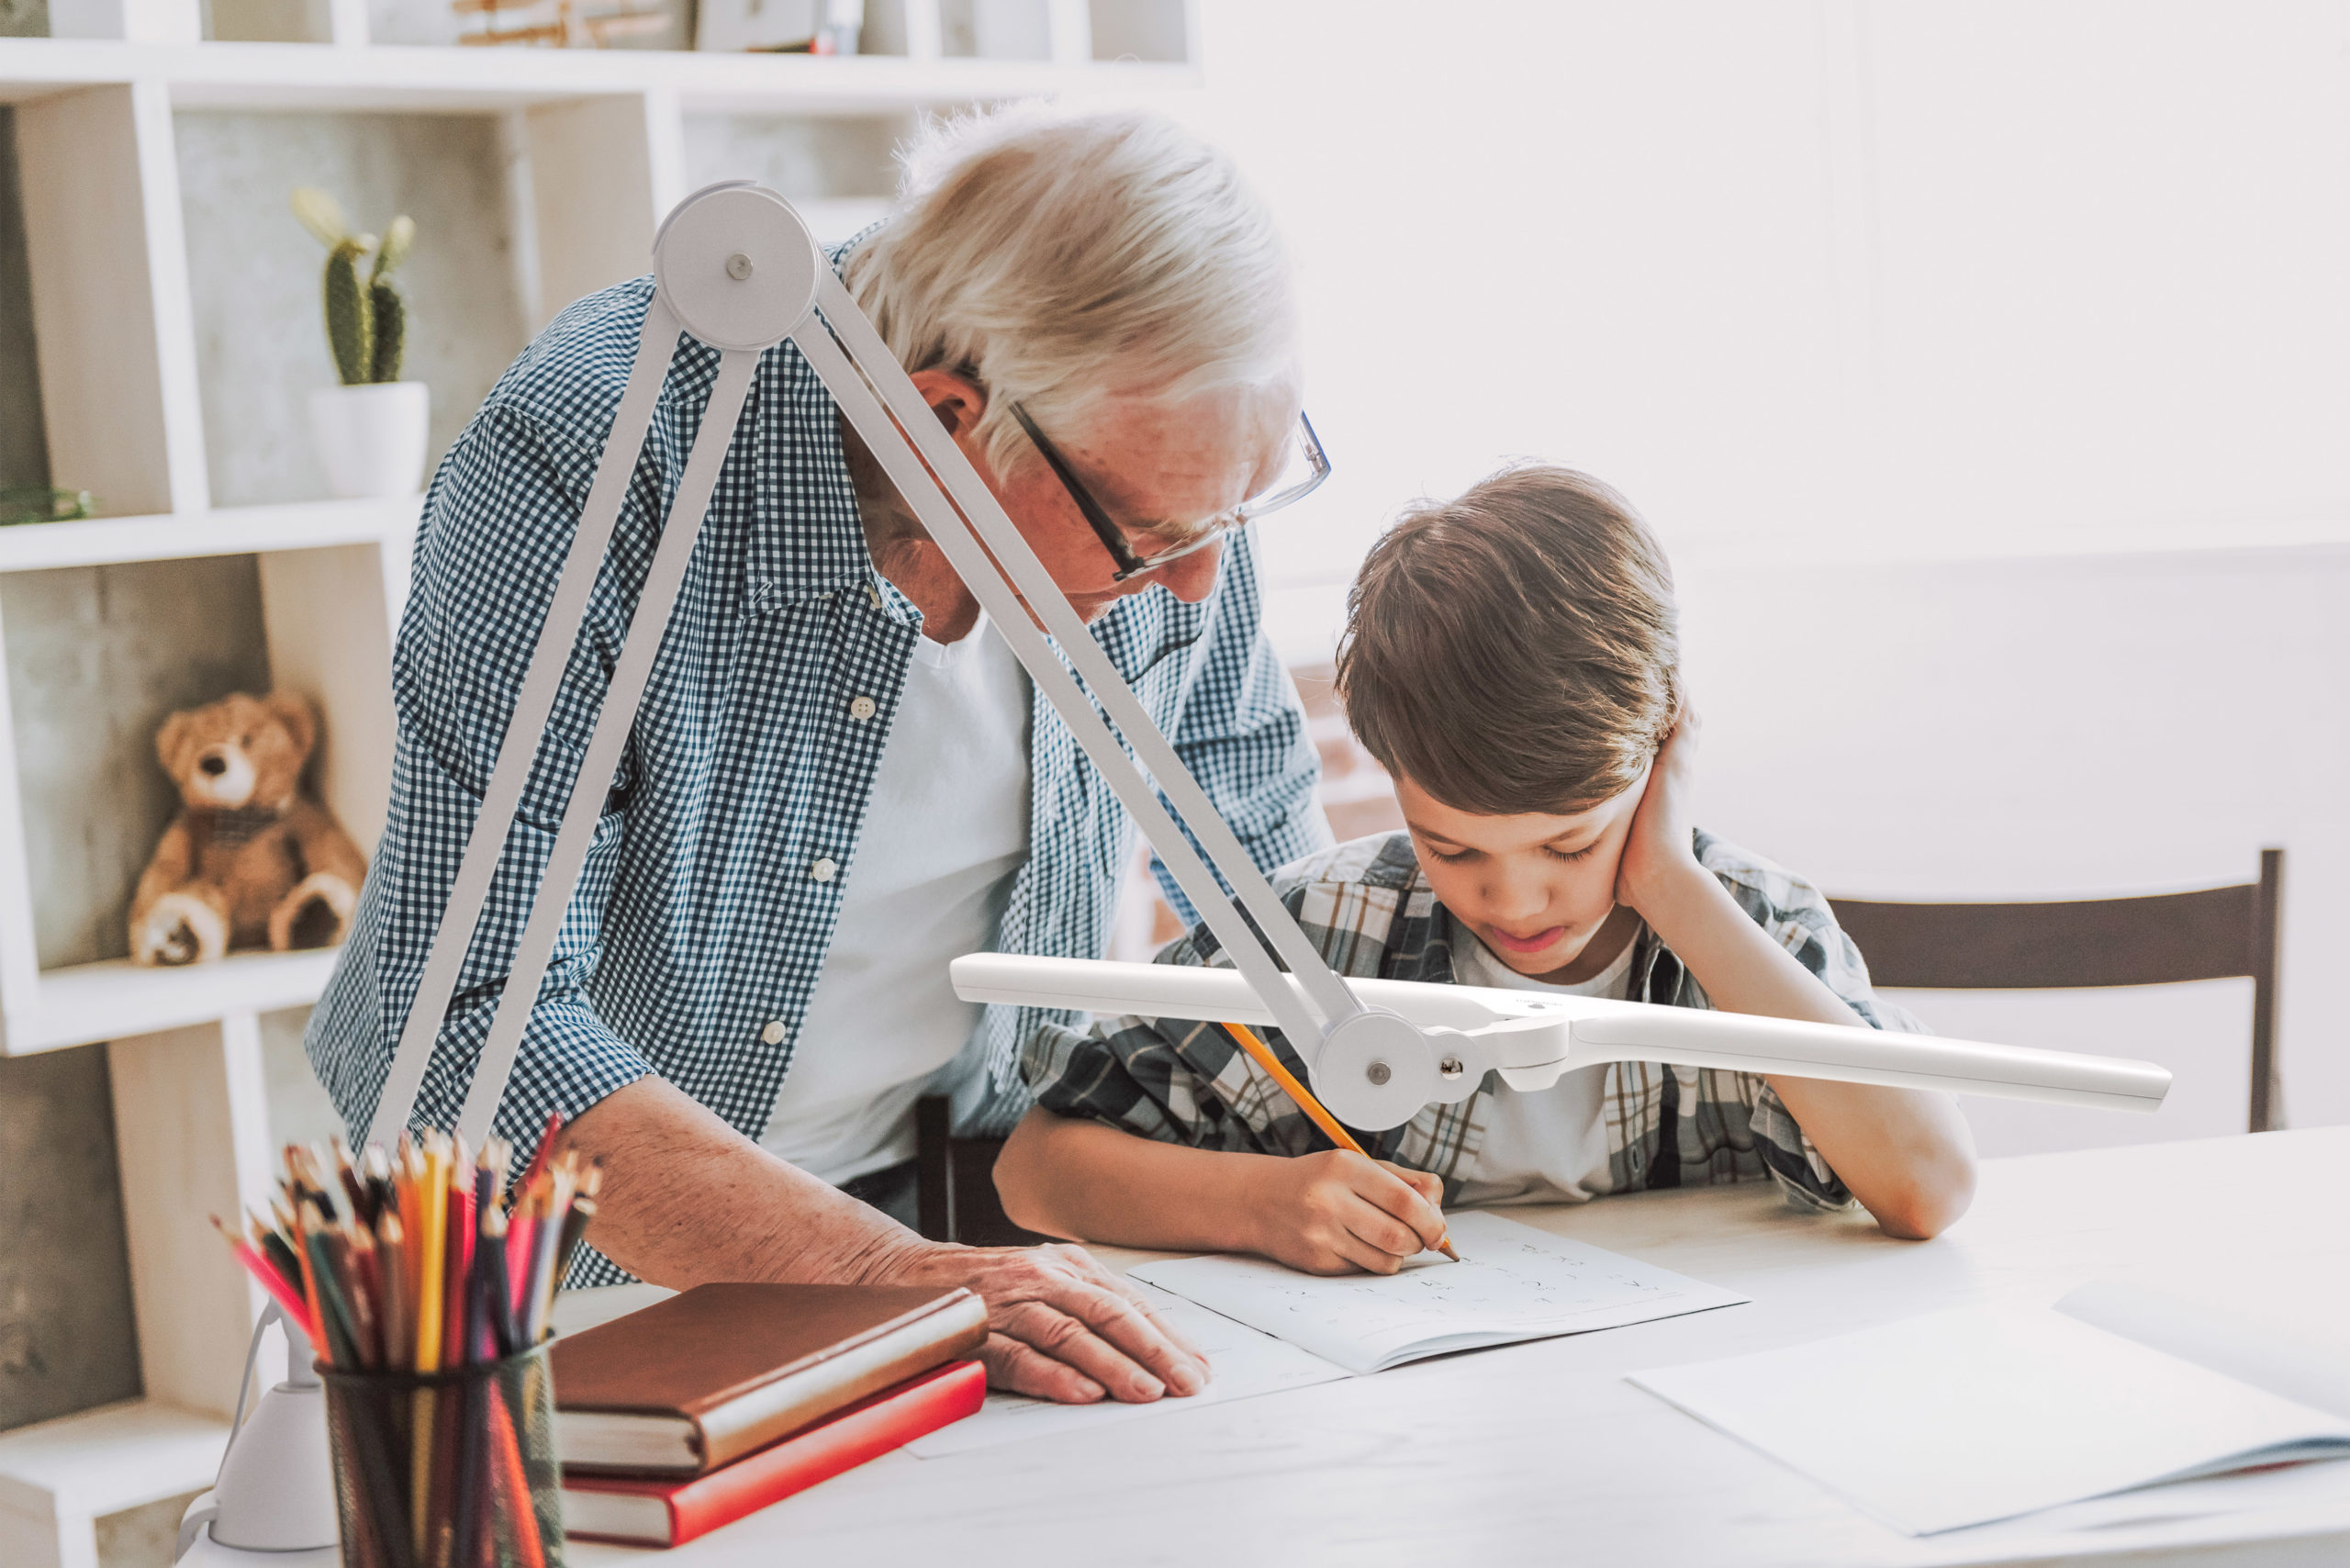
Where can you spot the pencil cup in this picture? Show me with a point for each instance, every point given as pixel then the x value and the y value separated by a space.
pixel 447 1470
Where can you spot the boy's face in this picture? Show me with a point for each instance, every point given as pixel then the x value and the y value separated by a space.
pixel 1536 889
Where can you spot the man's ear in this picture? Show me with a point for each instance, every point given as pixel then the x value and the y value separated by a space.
pixel 955 399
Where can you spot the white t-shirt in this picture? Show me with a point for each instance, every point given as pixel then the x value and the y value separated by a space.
pixel 945 832
pixel 1549 1145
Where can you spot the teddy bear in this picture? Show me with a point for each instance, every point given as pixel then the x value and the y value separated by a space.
pixel 249 860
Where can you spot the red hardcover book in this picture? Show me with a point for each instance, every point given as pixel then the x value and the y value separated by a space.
pixel 672 1511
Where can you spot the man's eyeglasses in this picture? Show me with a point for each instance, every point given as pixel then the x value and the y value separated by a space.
pixel 1306 468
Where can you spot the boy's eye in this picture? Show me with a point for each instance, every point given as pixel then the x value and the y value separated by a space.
pixel 1445 854
pixel 1570 857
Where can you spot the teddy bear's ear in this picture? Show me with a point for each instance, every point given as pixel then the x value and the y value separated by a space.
pixel 301 721
pixel 171 738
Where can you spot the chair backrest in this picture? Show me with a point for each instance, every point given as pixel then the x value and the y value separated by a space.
pixel 954 1191
pixel 2210 933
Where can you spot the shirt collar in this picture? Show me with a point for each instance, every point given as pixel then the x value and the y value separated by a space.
pixel 807 540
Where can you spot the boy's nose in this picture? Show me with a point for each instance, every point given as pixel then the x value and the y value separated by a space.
pixel 1510 900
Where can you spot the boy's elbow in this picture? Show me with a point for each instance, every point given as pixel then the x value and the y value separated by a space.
pixel 1927 1203
pixel 1018 1183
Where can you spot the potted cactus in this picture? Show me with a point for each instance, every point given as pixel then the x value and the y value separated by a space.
pixel 370 430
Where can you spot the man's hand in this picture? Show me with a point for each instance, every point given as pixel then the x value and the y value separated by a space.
pixel 1060 1324
pixel 1336 1211
pixel 1660 849
pixel 687 1199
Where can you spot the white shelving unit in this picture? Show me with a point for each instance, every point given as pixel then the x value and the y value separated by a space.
pixel 601 137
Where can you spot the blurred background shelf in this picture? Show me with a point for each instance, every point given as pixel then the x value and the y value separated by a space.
pixel 228 531
pixel 147 249
pixel 114 1000
pixel 394 77
pixel 61 1476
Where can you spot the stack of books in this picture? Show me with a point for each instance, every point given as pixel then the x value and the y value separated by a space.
pixel 709 1405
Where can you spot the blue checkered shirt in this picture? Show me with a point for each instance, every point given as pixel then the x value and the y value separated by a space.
pixel 696 921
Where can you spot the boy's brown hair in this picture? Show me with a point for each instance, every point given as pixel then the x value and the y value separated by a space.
pixel 1516 650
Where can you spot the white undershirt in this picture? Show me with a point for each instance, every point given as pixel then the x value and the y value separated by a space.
pixel 1548 1145
pixel 945 830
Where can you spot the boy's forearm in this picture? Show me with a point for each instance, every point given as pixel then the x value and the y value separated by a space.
pixel 1906 1154
pixel 1078 1179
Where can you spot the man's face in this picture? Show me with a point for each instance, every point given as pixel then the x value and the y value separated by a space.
pixel 1536 889
pixel 1148 466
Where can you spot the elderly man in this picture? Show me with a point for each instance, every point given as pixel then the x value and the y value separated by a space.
pixel 839 780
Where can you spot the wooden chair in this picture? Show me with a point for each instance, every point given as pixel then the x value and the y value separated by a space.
pixel 956 1196
pixel 2210 934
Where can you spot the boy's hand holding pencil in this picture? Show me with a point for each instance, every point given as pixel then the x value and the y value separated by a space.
pixel 1340 1211
pixel 1333 1228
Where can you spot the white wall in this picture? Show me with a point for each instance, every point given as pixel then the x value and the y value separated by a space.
pixel 1987 369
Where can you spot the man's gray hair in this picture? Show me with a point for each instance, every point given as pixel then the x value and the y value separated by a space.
pixel 1054 257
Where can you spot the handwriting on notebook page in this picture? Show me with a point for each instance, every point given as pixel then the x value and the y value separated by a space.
pixel 1514 1283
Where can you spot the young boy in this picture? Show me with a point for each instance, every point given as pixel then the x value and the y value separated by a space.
pixel 1512 659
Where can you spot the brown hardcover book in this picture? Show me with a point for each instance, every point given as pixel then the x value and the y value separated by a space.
pixel 697 1381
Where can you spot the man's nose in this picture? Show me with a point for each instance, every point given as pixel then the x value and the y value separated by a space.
pixel 1189 578
pixel 213 764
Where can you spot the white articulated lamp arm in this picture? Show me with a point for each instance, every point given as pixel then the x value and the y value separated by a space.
pixel 734 267
pixel 1530 1038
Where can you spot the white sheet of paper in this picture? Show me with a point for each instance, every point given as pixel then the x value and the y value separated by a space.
pixel 1978 1414
pixel 1245 1363
pixel 1513 1282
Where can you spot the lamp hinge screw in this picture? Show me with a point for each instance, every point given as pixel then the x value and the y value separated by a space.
pixel 738 267
pixel 1378 1072
pixel 1450 1067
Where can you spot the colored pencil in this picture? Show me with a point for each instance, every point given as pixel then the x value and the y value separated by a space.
pixel 1262 1055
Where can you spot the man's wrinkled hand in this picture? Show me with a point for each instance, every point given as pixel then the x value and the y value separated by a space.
pixel 1060 1326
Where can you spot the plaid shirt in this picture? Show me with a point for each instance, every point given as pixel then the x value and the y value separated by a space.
pixel 1370 912
pixel 730 829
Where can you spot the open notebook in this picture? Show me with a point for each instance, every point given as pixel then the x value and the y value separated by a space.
pixel 1513 1282
pixel 1978 1414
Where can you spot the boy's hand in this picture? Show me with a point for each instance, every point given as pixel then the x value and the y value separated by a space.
pixel 1661 848
pixel 1337 1212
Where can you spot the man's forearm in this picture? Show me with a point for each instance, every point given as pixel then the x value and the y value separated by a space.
pixel 687 1200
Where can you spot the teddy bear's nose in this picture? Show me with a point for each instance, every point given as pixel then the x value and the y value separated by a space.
pixel 216 765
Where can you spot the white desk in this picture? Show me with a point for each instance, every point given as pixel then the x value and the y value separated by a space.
pixel 1542 1452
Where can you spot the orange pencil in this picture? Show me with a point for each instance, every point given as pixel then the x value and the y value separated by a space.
pixel 1262 1055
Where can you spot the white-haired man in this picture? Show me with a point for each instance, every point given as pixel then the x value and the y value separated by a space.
pixel 838 780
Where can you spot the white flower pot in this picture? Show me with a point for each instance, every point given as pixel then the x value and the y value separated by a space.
pixel 372 440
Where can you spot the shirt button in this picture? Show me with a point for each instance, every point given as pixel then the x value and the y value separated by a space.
pixel 825 870
pixel 773 1033
pixel 861 708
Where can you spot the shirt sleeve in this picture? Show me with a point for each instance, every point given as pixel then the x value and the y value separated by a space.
pixel 497 524
pixel 1170 1079
pixel 1242 734
pixel 1798 917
